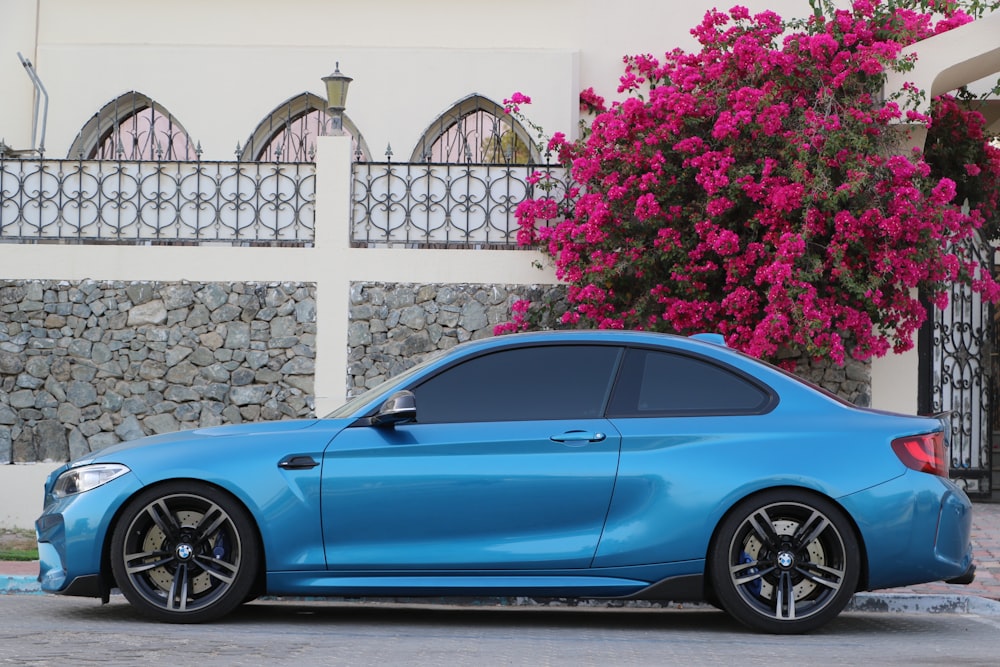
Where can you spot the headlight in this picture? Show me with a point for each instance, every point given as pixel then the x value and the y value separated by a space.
pixel 85 478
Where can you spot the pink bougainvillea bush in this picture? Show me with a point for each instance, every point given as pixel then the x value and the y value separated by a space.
pixel 756 188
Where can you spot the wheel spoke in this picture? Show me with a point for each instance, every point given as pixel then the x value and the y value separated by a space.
pixel 213 518
pixel 162 517
pixel 218 569
pixel 744 573
pixel 784 608
pixel 762 526
pixel 822 575
pixel 809 530
pixel 140 562
pixel 177 599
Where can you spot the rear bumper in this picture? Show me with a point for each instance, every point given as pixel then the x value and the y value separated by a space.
pixel 965 578
pixel 915 529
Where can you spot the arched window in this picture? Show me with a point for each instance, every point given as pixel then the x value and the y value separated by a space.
pixel 288 134
pixel 476 130
pixel 133 127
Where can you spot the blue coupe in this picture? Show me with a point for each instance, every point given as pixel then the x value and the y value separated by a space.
pixel 583 464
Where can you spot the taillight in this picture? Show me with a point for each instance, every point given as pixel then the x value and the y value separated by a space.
pixel 923 452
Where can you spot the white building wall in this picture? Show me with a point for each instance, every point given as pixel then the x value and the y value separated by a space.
pixel 221 66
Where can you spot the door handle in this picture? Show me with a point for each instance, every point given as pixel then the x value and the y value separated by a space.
pixel 297 462
pixel 578 437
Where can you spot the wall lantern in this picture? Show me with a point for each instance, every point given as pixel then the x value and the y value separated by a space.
pixel 336 98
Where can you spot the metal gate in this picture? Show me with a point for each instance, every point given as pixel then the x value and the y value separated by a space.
pixel 958 375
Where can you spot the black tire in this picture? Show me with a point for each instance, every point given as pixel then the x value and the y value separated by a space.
pixel 784 562
pixel 185 553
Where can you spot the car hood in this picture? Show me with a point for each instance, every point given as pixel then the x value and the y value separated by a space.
pixel 229 431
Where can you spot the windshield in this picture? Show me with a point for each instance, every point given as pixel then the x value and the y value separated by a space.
pixel 354 404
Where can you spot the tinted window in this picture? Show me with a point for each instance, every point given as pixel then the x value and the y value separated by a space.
pixel 545 382
pixel 659 383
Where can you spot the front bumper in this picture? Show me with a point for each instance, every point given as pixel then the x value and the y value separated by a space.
pixel 72 535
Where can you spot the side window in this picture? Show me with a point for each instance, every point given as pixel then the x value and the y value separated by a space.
pixel 544 382
pixel 657 383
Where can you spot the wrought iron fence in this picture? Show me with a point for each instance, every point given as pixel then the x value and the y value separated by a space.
pixel 448 205
pixel 961 372
pixel 88 201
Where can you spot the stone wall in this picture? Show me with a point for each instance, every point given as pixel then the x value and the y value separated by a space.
pixel 394 325
pixel 85 365
pixel 852 381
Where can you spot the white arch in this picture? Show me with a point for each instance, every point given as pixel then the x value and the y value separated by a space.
pixel 161 136
pixel 282 117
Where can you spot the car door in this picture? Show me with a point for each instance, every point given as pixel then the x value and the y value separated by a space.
pixel 509 465
pixel 684 419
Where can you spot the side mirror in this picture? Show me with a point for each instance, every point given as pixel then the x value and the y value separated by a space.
pixel 399 408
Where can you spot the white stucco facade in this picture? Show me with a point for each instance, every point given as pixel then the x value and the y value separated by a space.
pixel 221 66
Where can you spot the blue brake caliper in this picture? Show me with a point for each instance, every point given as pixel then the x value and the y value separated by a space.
pixel 220 547
pixel 754 585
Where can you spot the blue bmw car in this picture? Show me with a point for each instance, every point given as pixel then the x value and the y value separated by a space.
pixel 583 464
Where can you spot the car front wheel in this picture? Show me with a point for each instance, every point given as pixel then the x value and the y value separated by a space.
pixel 184 553
pixel 785 562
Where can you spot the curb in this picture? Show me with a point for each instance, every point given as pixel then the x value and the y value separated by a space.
pixel 10 585
pixel 926 603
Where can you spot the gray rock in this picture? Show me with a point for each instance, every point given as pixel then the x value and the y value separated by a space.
pixel 26 381
pixel 81 394
pixel 358 334
pixel 237 336
pixel 248 395
pixel 153 312
pixel 80 348
pixel 130 429
pixel 180 394
pixel 473 316
pixel 161 423
pixel 24 398
pixel 10 364
pixel 299 366
pixel 188 412
pixel 304 383
pixel 213 295
pixel 101 440
pixel 215 373
pixel 5 446
pixel 7 416
pixel 282 327
pixel 198 317
pixel 52 442
pixel 182 374
pixel 77 443
pixel 177 296
pixel 139 293
pixel 241 377
pixel 152 370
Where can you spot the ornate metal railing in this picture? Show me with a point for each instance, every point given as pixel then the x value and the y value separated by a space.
pixel 90 201
pixel 448 205
pixel 961 337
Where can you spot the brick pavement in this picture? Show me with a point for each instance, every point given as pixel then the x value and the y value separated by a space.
pixel 985 543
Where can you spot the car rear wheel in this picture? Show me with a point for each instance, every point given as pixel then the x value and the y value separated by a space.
pixel 184 553
pixel 785 562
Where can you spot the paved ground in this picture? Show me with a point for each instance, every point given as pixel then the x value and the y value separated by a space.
pixel 20 576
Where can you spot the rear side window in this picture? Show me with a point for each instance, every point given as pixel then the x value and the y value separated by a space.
pixel 532 383
pixel 657 383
